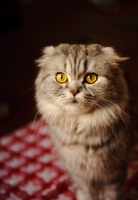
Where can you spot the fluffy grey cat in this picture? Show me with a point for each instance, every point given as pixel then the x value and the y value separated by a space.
pixel 81 92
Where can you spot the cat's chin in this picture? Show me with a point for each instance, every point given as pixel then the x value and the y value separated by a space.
pixel 75 108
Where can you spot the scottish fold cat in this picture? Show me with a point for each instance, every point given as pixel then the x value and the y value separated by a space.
pixel 82 93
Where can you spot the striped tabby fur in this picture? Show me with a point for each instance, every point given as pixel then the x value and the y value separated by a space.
pixel 91 126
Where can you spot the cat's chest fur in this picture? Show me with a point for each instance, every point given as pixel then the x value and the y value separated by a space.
pixel 83 140
pixel 85 129
pixel 89 164
pixel 82 160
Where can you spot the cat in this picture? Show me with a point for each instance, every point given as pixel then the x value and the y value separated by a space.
pixel 83 95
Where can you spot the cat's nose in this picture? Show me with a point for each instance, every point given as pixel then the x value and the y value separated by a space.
pixel 74 92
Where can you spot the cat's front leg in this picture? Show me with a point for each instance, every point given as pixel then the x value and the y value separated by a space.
pixel 114 190
pixel 86 195
pixel 84 190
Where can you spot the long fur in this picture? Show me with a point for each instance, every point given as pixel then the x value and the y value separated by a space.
pixel 93 132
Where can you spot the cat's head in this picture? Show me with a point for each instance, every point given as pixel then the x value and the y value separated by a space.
pixel 80 78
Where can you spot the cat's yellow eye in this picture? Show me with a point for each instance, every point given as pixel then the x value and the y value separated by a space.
pixel 61 78
pixel 90 78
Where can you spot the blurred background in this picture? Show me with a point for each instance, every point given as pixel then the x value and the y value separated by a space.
pixel 26 26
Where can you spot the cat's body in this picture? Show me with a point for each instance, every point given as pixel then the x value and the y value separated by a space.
pixel 82 94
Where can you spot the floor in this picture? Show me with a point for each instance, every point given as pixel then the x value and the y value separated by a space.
pixel 27 27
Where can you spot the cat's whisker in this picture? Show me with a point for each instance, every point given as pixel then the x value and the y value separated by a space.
pixel 120 114
pixel 35 127
pixel 116 106
pixel 103 103
pixel 119 108
pixel 33 124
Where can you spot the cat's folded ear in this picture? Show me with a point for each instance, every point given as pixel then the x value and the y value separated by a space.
pixel 47 52
pixel 112 55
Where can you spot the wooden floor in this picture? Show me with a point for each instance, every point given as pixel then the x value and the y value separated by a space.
pixel 41 23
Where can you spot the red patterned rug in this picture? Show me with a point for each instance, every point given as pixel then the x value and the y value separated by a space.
pixel 30 168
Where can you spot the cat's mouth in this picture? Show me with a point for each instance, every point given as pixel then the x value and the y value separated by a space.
pixel 74 101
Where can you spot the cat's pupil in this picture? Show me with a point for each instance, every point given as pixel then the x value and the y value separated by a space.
pixel 61 76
